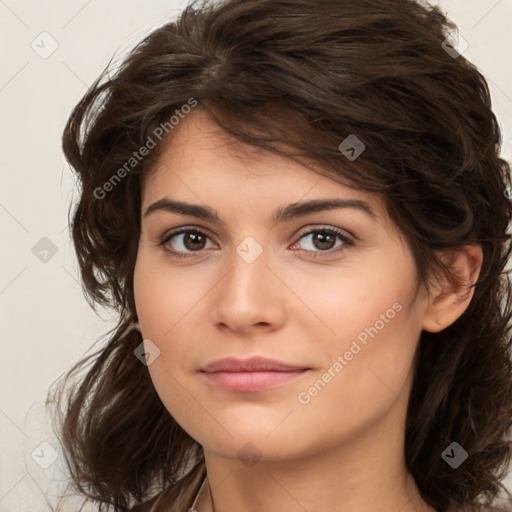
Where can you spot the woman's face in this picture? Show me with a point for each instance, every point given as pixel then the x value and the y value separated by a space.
pixel 332 292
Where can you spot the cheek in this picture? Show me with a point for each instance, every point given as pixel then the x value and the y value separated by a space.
pixel 365 329
pixel 366 370
pixel 360 298
pixel 163 298
pixel 169 302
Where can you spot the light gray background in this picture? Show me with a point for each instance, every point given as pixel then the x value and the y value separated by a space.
pixel 47 324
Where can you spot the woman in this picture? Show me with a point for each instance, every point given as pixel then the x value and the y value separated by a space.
pixel 299 212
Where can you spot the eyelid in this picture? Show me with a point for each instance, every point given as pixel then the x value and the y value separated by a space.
pixel 348 240
pixel 182 229
pixel 307 230
pixel 327 227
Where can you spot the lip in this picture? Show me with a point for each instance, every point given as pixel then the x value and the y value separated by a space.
pixel 252 364
pixel 251 381
pixel 253 374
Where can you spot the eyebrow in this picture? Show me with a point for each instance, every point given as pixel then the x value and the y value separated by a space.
pixel 281 214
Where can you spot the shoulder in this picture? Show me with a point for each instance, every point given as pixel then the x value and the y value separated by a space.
pixel 177 497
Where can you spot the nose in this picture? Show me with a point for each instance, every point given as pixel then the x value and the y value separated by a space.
pixel 250 297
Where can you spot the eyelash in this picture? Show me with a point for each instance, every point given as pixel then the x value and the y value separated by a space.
pixel 347 241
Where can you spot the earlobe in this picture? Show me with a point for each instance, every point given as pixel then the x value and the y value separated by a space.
pixel 449 298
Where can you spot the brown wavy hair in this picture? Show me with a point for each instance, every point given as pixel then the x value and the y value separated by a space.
pixel 296 77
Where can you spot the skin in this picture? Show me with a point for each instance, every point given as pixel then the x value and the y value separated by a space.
pixel 343 450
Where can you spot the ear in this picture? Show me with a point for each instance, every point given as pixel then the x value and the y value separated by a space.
pixel 450 296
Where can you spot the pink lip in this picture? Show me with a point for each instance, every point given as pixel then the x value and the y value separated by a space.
pixel 253 374
pixel 253 364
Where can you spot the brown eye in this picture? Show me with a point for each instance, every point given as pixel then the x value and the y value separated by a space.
pixel 194 241
pixel 185 241
pixel 324 240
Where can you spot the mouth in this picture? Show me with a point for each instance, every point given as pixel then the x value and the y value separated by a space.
pixel 250 375
pixel 252 364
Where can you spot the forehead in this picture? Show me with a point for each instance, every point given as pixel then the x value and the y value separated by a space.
pixel 202 163
pixel 198 145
